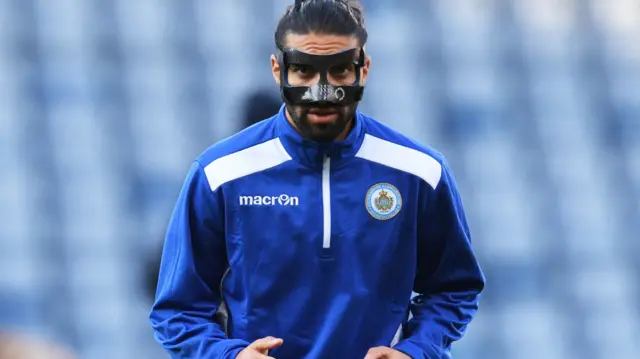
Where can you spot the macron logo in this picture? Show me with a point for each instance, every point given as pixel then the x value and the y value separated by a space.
pixel 281 200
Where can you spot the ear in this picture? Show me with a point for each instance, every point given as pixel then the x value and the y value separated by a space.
pixel 365 71
pixel 275 69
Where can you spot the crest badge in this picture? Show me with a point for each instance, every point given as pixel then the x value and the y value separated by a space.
pixel 383 201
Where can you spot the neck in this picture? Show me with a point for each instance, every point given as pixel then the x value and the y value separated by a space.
pixel 340 137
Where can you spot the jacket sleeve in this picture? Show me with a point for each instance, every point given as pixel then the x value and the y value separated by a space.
pixel 193 263
pixel 448 280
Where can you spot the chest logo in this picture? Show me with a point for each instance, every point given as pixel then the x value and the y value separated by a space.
pixel 383 201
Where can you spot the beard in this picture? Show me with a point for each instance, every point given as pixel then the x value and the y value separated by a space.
pixel 322 130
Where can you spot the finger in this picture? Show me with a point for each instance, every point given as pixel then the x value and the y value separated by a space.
pixel 376 353
pixel 254 354
pixel 266 344
pixel 258 355
pixel 374 356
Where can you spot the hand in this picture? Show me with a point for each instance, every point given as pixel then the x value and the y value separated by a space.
pixel 385 353
pixel 260 348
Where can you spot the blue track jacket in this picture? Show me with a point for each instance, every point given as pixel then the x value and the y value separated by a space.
pixel 318 244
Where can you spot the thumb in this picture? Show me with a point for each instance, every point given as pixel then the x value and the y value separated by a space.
pixel 265 344
pixel 377 353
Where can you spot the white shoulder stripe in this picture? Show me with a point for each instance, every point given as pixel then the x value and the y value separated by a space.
pixel 245 162
pixel 402 158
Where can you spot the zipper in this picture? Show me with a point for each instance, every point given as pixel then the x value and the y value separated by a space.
pixel 222 314
pixel 326 203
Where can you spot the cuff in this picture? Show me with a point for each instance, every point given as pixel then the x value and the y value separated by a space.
pixel 427 351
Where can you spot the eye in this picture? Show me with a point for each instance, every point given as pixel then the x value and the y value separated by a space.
pixel 341 70
pixel 300 69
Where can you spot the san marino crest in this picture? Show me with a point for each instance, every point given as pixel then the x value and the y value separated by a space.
pixel 383 201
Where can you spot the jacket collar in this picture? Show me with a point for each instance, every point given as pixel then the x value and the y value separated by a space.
pixel 311 153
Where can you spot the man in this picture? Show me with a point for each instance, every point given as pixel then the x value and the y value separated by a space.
pixel 313 228
pixel 258 105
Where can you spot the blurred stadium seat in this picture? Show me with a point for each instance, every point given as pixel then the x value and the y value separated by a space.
pixel 536 104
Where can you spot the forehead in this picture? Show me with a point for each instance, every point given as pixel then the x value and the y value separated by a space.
pixel 320 44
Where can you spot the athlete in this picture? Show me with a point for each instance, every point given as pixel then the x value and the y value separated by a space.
pixel 305 235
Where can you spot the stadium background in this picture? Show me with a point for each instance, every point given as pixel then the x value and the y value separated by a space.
pixel 536 104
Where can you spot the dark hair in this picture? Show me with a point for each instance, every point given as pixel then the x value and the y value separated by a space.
pixel 329 17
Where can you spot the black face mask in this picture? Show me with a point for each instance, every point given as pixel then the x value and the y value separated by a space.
pixel 323 93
